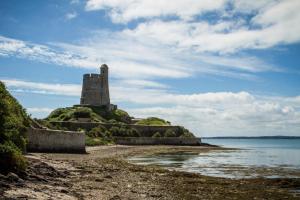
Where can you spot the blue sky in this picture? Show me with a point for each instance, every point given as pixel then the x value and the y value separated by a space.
pixel 222 67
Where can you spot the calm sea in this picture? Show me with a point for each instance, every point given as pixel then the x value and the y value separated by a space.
pixel 269 158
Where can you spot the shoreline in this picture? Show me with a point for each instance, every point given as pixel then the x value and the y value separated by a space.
pixel 104 173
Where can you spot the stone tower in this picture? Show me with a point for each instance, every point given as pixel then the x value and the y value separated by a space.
pixel 95 90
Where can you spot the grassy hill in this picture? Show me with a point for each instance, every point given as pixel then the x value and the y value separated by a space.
pixel 153 121
pixel 119 118
pixel 98 135
pixel 13 124
pixel 89 113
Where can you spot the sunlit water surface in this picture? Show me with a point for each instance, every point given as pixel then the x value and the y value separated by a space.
pixel 269 158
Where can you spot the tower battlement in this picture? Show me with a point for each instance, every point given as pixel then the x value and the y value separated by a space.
pixel 95 88
pixel 86 76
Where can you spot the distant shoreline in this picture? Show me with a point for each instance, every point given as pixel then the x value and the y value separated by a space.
pixel 254 137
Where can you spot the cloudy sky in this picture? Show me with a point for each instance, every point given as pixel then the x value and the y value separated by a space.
pixel 220 68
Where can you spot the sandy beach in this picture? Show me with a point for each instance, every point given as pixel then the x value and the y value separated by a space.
pixel 104 173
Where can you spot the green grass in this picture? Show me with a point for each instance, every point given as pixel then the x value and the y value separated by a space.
pixel 95 141
pixel 153 121
pixel 73 114
pixel 182 132
pixel 13 125
pixel 114 116
pixel 91 113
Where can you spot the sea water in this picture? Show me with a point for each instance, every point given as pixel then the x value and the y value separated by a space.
pixel 269 158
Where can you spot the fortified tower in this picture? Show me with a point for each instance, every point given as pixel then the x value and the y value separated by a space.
pixel 95 90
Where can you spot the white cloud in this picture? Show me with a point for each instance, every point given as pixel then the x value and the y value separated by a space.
pixel 206 114
pixel 143 83
pixel 127 10
pixel 129 58
pixel 255 117
pixel 204 37
pixel 129 55
pixel 43 88
pixel 275 22
pixel 71 15
pixel 39 110
pixel 17 48
pixel 172 49
pixel 124 60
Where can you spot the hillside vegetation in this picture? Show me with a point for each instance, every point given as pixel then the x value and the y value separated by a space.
pixel 153 121
pixel 89 113
pixel 119 119
pixel 13 124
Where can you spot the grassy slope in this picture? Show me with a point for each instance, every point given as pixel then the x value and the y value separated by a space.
pixel 13 124
pixel 152 121
pixel 94 114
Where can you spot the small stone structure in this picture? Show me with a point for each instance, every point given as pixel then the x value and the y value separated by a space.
pixel 158 141
pixel 95 89
pixel 46 140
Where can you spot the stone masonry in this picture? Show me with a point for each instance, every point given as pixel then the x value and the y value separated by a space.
pixel 95 90
pixel 48 140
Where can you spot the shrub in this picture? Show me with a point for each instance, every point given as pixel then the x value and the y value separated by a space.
pixel 13 125
pixel 73 113
pixel 114 130
pixel 117 115
pixel 56 113
pixel 82 112
pixel 107 134
pixel 123 132
pixel 64 117
pixel 81 130
pixel 187 135
pixel 156 135
pixel 112 121
pixel 183 132
pixel 11 159
pixel 136 133
pixel 169 133
pixel 133 133
pixel 91 141
pixel 91 113
pixel 97 131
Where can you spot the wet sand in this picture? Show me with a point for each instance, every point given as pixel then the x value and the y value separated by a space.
pixel 104 173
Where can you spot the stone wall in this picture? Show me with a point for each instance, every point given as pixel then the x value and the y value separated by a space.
pixel 45 140
pixel 158 141
pixel 90 93
pixel 145 131
pixel 95 89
